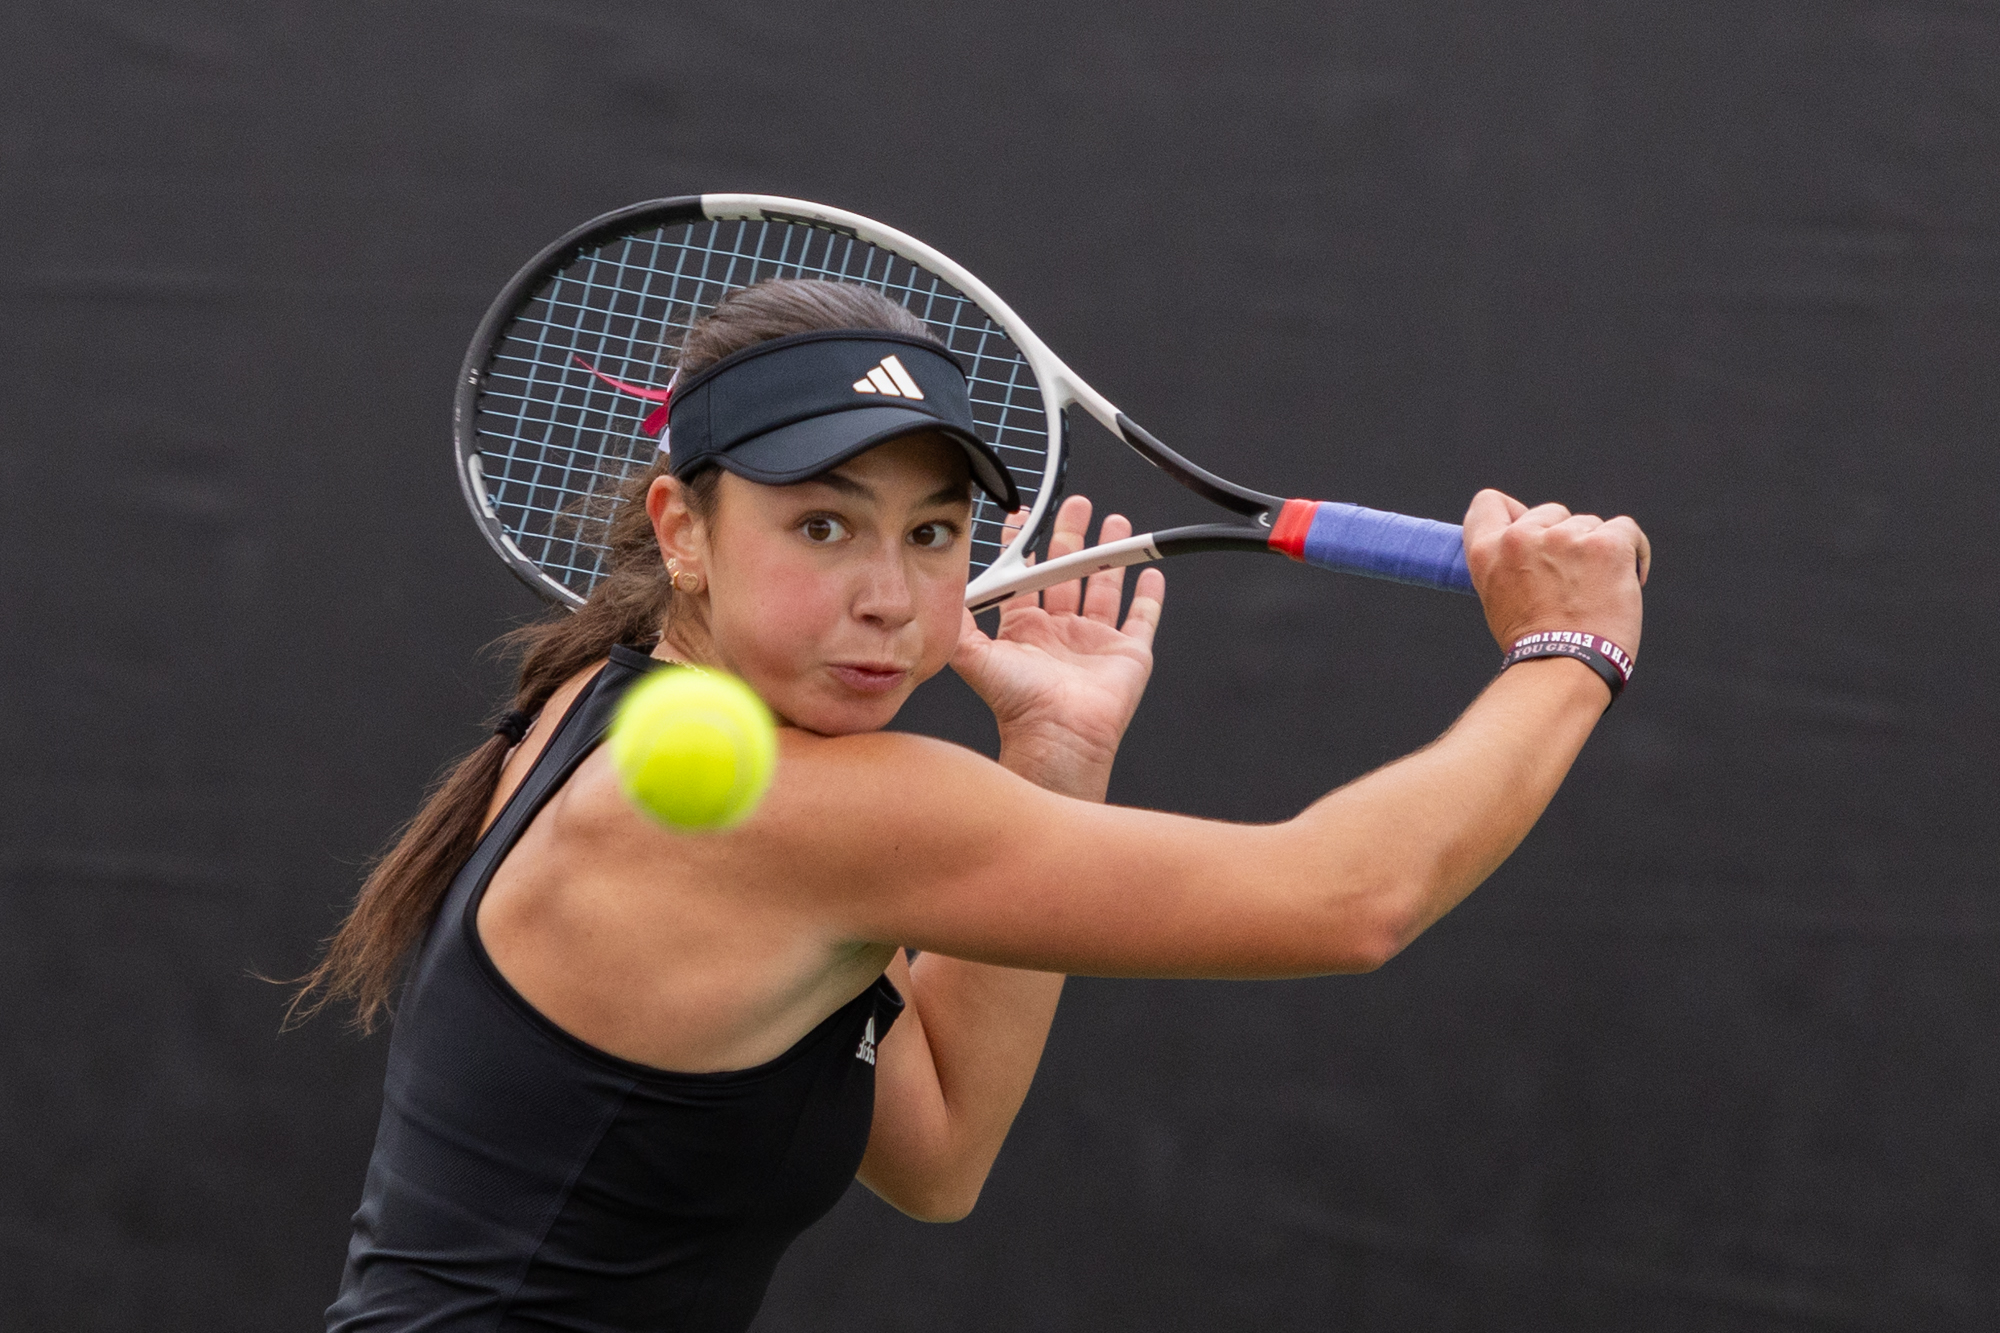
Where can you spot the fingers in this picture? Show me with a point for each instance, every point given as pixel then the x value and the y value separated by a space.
pixel 1008 531
pixel 1556 518
pixel 1102 592
pixel 1066 538
pixel 1546 516
pixel 1556 528
pixel 1149 596
pixel 1642 545
pixel 1490 511
pixel 1096 598
pixel 1581 527
pixel 1072 521
pixel 971 648
pixel 1544 567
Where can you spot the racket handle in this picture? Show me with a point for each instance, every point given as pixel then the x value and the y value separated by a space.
pixel 1371 542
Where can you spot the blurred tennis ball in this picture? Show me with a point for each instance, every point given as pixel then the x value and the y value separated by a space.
pixel 693 748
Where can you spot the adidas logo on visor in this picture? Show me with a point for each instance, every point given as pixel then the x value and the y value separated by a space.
pixel 889 378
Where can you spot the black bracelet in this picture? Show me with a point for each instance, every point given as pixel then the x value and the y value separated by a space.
pixel 1612 663
pixel 513 726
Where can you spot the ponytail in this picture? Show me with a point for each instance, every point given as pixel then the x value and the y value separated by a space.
pixel 401 894
pixel 633 604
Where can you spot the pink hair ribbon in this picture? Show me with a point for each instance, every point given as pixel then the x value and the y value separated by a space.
pixel 656 420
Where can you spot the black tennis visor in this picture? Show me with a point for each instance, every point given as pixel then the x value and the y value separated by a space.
pixel 791 408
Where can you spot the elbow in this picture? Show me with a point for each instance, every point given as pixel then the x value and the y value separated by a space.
pixel 1353 912
pixel 931 1191
pixel 940 1201
pixel 1365 955
pixel 952 1210
pixel 1372 953
pixel 1374 929
pixel 930 1176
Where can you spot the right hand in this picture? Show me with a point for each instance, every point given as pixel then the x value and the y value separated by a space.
pixel 1548 569
pixel 1064 675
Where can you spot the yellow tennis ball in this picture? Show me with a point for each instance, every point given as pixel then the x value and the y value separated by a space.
pixel 693 748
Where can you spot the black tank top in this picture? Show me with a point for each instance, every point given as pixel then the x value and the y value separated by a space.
pixel 525 1180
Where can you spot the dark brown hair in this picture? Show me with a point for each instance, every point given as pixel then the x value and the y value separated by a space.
pixel 632 604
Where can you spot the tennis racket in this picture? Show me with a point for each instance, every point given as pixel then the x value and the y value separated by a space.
pixel 563 394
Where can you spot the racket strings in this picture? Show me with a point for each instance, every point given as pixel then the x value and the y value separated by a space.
pixel 556 443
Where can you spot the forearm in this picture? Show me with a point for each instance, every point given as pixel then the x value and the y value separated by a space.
pixel 985 1026
pixel 1422 833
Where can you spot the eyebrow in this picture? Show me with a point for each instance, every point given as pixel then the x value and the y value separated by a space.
pixel 950 493
pixel 845 485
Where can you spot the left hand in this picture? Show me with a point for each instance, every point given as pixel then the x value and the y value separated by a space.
pixel 1063 676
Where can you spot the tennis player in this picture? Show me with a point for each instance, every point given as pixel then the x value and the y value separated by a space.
pixel 629 1067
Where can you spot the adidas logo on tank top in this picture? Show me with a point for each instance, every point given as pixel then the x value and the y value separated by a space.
pixel 866 1050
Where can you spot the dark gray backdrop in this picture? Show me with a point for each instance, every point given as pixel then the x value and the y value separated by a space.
pixel 1715 1051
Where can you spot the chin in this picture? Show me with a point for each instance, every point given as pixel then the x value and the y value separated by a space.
pixel 848 716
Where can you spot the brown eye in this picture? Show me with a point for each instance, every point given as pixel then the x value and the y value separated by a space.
pixel 932 536
pixel 823 529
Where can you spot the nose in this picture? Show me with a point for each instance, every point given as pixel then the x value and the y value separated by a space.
pixel 884 597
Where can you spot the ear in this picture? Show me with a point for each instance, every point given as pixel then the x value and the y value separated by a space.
pixel 677 528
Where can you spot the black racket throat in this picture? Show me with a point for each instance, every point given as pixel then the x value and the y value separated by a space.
pixel 1202 482
pixel 1199 537
pixel 1190 540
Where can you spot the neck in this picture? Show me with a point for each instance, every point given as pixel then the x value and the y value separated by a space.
pixel 686 644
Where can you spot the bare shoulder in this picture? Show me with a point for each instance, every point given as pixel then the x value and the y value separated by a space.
pixel 878 760
pixel 882 838
pixel 844 811
pixel 880 792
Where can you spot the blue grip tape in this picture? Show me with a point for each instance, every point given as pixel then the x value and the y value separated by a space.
pixel 1388 546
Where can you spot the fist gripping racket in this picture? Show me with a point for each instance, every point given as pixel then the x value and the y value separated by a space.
pixel 564 390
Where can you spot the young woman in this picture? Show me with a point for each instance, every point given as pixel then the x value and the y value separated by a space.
pixel 629 1066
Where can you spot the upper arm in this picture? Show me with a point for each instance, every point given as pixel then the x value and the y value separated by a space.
pixel 917 842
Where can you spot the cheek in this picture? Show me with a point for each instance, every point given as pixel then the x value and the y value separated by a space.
pixel 941 610
pixel 768 612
